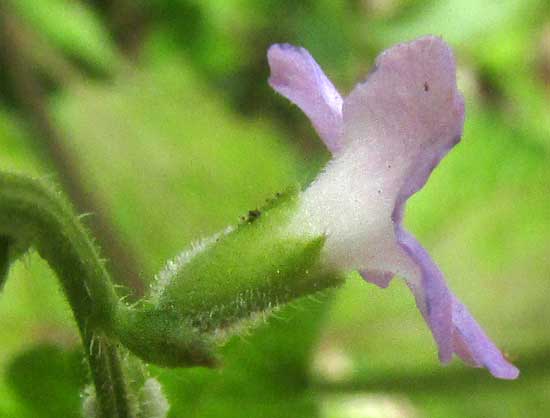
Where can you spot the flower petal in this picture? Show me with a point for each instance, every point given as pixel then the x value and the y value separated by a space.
pixel 462 350
pixel 408 115
pixel 481 351
pixel 379 278
pixel 462 335
pixel 432 295
pixel 296 75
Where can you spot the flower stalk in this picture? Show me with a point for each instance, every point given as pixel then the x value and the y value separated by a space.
pixel 33 215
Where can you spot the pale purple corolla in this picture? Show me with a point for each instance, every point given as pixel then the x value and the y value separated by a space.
pixel 386 137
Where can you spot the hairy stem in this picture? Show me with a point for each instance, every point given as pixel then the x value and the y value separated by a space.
pixel 124 407
pixel 33 215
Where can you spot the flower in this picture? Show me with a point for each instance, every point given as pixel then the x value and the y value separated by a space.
pixel 386 137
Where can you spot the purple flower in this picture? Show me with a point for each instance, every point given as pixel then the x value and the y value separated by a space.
pixel 386 137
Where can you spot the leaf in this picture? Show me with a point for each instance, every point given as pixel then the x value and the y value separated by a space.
pixel 74 27
pixel 48 381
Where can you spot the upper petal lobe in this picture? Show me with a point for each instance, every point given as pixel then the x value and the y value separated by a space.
pixel 296 75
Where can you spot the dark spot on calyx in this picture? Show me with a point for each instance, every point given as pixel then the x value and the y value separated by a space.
pixel 426 86
pixel 253 215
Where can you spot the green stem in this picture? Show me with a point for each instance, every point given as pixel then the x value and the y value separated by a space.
pixel 31 214
pixel 119 383
pixel 101 375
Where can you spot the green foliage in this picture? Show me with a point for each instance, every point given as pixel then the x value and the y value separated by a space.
pixel 15 138
pixel 47 381
pixel 458 20
pixel 73 27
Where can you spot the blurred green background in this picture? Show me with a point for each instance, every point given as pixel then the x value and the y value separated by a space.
pixel 156 119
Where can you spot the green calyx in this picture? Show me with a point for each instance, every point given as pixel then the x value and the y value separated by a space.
pixel 163 337
pixel 221 286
